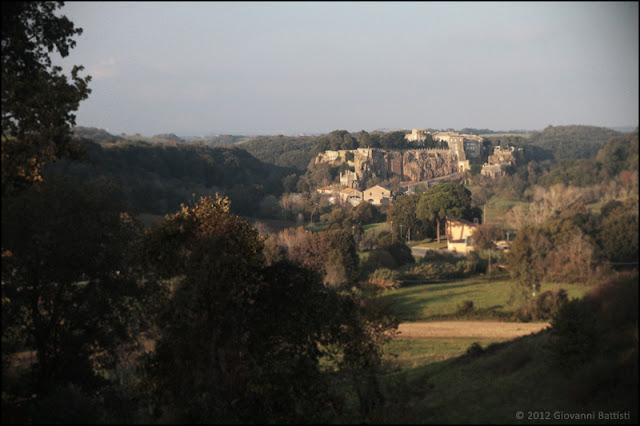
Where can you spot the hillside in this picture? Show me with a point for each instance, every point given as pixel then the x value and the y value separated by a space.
pixel 97 135
pixel 573 141
pixel 583 370
pixel 284 151
pixel 157 177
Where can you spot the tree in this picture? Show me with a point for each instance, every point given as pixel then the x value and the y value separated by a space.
pixel 393 140
pixel 484 237
pixel 242 341
pixel 618 233
pixel 444 201
pixel 403 212
pixel 38 101
pixel 526 260
pixel 69 278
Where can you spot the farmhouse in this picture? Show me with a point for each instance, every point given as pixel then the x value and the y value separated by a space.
pixel 351 195
pixel 377 195
pixel 459 235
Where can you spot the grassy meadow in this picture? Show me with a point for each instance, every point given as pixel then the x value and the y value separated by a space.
pixel 496 209
pixel 441 300
pixel 484 380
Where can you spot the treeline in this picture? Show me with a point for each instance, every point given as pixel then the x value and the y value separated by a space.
pixel 572 141
pixel 284 151
pixel 343 140
pixel 95 134
pixel 218 140
pixel 474 131
pixel 157 177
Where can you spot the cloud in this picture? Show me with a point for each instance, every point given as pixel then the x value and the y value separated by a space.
pixel 105 69
pixel 517 34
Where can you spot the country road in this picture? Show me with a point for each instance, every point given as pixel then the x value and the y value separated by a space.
pixel 420 252
pixel 486 329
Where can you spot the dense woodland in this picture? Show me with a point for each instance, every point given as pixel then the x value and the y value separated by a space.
pixel 157 177
pixel 201 317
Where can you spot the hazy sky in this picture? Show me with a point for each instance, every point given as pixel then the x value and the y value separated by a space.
pixel 291 67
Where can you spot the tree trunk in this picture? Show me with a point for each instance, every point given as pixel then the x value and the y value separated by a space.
pixel 438 229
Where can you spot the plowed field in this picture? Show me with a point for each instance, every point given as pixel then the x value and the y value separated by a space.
pixel 489 329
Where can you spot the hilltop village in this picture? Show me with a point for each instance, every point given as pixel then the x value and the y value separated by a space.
pixel 414 165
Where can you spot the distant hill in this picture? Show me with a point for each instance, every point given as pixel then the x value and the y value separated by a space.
pixel 218 140
pixel 572 142
pixel 168 137
pixel 96 134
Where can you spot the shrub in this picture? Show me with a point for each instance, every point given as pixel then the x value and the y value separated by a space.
pixel 547 304
pixel 384 278
pixel 444 271
pixel 573 334
pixel 465 308
pixel 475 350
pixel 377 259
pixel 401 253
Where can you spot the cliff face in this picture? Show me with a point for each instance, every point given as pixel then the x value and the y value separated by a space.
pixel 420 165
pixel 410 165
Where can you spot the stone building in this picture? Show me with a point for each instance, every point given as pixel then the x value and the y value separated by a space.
pixel 351 196
pixel 417 135
pixel 503 156
pixel 499 161
pixel 349 179
pixel 377 195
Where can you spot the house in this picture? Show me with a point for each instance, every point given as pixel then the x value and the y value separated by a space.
pixel 332 192
pixel 351 195
pixel 459 235
pixel 416 135
pixel 377 195
pixel 493 170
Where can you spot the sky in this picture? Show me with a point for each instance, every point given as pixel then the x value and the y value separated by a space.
pixel 206 68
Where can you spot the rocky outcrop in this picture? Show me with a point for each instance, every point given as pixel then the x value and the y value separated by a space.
pixel 411 165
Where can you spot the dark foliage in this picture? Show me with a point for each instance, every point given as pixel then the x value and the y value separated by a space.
pixel 572 141
pixel 283 151
pixel 38 101
pixel 156 178
pixel 241 341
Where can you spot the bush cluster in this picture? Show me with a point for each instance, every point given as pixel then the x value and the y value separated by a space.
pixel 544 307
pixel 383 278
pixel 434 271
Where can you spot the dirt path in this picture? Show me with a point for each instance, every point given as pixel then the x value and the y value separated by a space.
pixel 497 329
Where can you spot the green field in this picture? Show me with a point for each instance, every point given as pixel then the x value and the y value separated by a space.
pixel 496 209
pixel 410 353
pixel 442 380
pixel 437 300
pixel 491 387
pixel 376 227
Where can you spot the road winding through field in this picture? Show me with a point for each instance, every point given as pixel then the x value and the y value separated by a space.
pixel 488 329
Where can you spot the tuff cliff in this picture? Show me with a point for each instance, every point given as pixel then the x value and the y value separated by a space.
pixel 411 165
